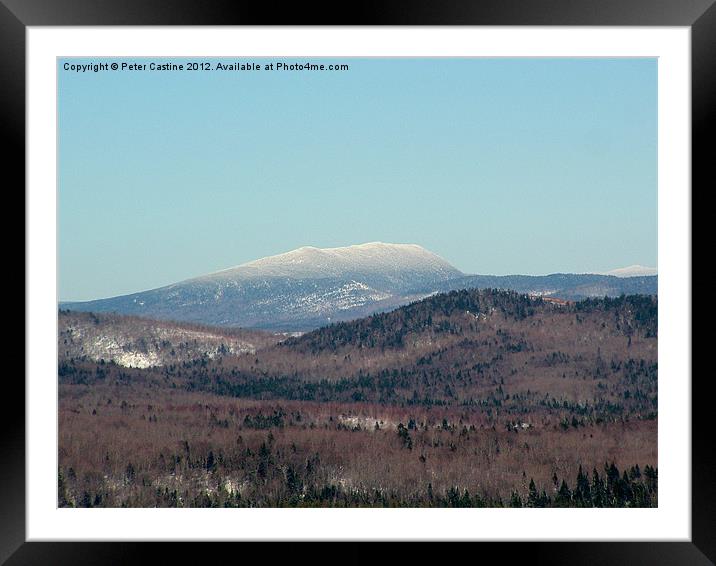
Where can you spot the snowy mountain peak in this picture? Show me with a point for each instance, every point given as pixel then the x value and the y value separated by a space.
pixel 368 258
pixel 374 249
pixel 632 271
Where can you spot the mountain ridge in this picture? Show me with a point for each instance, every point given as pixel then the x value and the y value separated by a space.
pixel 310 287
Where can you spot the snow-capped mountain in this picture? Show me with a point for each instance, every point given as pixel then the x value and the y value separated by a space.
pixel 632 271
pixel 301 289
pixel 375 263
pixel 310 287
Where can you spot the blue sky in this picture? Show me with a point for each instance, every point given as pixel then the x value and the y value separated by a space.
pixel 500 166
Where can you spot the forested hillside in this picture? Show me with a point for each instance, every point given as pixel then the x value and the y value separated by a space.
pixel 465 398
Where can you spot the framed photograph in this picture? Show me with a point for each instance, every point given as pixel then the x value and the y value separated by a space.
pixel 405 274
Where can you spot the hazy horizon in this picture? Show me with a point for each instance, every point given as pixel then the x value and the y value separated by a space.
pixel 499 166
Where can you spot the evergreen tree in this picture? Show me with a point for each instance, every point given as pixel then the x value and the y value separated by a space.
pixel 564 496
pixel 515 500
pixel 599 496
pixel 533 498
pixel 582 493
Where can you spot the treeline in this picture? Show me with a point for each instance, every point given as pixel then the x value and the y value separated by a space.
pixel 632 488
pixel 632 391
pixel 386 388
pixel 295 486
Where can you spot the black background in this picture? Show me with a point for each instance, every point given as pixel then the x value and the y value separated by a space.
pixel 15 15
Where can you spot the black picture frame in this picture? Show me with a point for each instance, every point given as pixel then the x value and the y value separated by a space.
pixel 16 15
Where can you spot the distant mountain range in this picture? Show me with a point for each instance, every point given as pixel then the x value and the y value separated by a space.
pixel 632 271
pixel 310 287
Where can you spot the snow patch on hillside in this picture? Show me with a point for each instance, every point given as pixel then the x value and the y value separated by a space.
pixel 142 344
pixel 351 295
